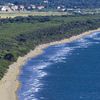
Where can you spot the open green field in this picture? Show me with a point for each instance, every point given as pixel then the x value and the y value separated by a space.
pixel 26 13
pixel 21 34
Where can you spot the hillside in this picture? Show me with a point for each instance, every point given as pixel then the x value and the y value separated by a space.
pixel 25 33
pixel 54 3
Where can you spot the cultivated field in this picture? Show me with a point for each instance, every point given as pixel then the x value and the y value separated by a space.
pixel 27 13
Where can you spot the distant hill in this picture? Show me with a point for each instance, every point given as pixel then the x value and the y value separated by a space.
pixel 55 3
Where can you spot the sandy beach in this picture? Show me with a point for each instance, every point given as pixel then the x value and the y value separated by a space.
pixel 9 84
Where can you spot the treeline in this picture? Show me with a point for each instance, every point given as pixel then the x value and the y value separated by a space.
pixel 29 19
pixel 55 3
pixel 76 3
pixel 19 45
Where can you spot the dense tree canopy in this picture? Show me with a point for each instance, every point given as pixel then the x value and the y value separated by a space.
pixel 21 34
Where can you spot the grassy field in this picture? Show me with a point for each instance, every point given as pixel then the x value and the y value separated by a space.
pixel 26 13
pixel 21 34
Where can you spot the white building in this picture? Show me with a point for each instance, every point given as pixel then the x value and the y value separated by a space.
pixel 33 6
pixel 46 1
pixel 6 8
pixel 14 7
pixel 63 9
pixel 40 7
pixel 58 7
pixel 21 7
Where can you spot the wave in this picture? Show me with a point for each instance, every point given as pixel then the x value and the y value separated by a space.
pixel 59 54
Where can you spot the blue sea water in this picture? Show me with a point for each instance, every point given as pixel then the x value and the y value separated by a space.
pixel 68 71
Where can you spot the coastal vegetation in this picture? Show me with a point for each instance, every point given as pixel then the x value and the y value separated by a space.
pixel 21 34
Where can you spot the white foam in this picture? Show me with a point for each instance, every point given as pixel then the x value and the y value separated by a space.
pixel 84 43
pixel 60 55
pixel 41 74
pixel 59 45
pixel 42 65
pixel 93 35
pixel 30 98
pixel 35 85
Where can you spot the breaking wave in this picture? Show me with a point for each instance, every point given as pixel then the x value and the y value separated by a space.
pixel 32 74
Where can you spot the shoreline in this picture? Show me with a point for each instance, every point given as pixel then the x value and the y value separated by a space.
pixel 10 83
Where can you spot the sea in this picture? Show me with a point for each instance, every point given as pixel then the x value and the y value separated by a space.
pixel 69 71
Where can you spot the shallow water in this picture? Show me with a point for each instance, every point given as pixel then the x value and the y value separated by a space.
pixel 68 71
